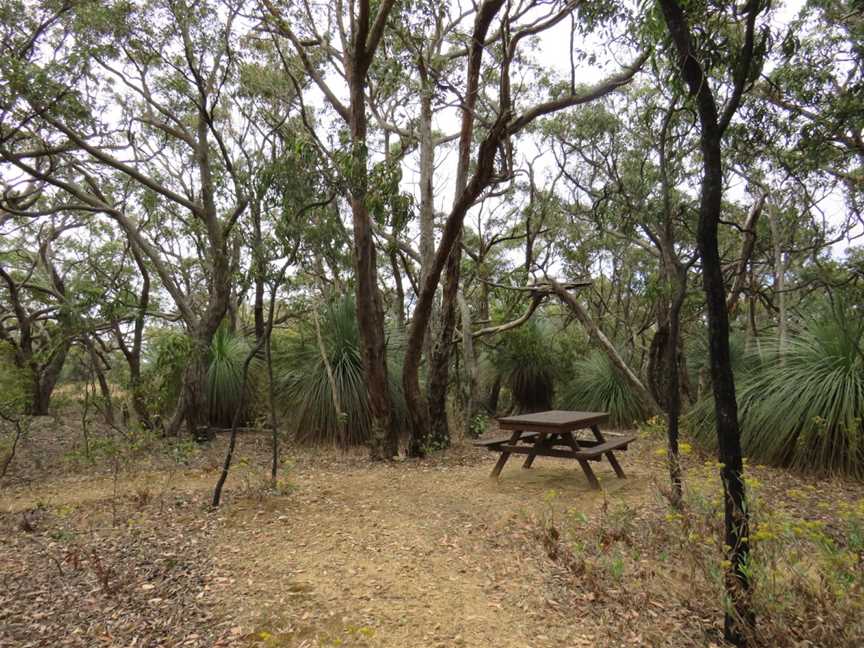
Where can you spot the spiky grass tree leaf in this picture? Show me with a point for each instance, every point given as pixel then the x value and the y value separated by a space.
pixel 803 409
pixel 228 352
pixel 305 389
pixel 597 385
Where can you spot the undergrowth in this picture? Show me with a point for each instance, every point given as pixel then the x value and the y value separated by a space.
pixel 806 563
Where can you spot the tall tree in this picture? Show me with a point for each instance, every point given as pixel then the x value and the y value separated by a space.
pixel 129 118
pixel 473 179
pixel 360 30
pixel 713 123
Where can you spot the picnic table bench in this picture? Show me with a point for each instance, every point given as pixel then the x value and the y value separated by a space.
pixel 550 434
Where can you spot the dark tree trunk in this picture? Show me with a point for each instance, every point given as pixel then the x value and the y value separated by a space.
pixel 45 379
pixel 258 306
pixel 439 364
pixel 739 619
pixel 725 402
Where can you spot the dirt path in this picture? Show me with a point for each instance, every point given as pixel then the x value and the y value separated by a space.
pixel 403 556
pixel 354 554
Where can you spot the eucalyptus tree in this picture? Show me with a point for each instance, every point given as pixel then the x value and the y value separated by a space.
pixel 312 34
pixel 815 87
pixel 510 112
pixel 129 109
pixel 703 73
pixel 38 319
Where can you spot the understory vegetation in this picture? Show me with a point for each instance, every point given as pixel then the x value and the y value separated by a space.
pixel 805 561
pixel 801 399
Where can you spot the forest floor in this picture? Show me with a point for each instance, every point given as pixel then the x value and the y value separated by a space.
pixel 350 553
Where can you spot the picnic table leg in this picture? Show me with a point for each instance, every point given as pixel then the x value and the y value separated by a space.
pixel 540 439
pixel 609 455
pixel 514 438
pixel 571 441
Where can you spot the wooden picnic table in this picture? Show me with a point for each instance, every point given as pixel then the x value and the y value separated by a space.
pixel 551 434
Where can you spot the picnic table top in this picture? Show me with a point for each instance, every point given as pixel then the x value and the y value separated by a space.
pixel 553 419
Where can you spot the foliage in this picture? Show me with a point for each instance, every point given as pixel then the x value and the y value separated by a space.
pixel 168 354
pixel 14 392
pixel 597 385
pixel 165 359
pixel 228 352
pixel 805 560
pixel 529 364
pixel 302 382
pixel 802 406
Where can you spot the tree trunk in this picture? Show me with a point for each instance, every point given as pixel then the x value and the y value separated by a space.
pixel 45 379
pixel 258 274
pixel 739 618
pixel 470 361
pixel 439 364
pixel 723 383
pixel 104 389
pixel 779 280
pixel 383 443
pixel 465 195
pixel 604 343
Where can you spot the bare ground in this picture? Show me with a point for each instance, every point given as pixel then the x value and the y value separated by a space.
pixel 348 553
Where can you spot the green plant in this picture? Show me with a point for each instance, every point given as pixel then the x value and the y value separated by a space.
pixel 529 364
pixel 597 385
pixel 166 355
pixel 802 405
pixel 302 381
pixel 228 351
pixel 478 424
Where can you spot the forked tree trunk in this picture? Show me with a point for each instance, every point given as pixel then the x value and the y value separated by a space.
pixel 439 363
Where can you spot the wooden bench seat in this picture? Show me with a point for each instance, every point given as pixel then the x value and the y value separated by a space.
pixel 485 443
pixel 616 442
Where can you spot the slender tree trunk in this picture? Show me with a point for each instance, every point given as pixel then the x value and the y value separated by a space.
pixel 739 618
pixel 271 404
pixel 418 405
pixel 258 274
pixel 472 372
pixel 232 442
pixel 725 403
pixel 399 307
pixel 133 353
pixel 779 280
pixel 104 389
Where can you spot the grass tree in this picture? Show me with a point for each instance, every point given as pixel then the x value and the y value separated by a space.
pixel 319 377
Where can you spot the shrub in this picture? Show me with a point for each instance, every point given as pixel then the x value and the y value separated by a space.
pixel 597 385
pixel 301 379
pixel 228 352
pixel 803 408
pixel 167 357
pixel 528 363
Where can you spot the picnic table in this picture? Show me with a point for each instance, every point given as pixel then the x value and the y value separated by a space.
pixel 551 434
